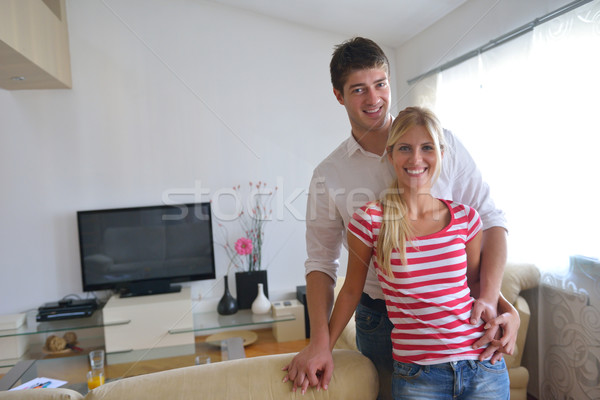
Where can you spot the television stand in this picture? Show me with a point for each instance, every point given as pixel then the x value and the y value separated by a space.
pixel 151 319
pixel 148 288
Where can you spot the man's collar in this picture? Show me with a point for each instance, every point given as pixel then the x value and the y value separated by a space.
pixel 352 146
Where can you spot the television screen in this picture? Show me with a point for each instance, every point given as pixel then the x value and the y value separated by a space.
pixel 142 250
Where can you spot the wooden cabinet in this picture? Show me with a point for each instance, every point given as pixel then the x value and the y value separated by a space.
pixel 34 45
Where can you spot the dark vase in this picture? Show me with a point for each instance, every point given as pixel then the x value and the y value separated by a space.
pixel 245 287
pixel 227 304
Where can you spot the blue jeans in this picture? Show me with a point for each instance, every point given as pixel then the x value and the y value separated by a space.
pixel 374 340
pixel 466 380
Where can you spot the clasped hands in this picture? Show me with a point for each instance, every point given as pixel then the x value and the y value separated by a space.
pixel 313 365
pixel 500 330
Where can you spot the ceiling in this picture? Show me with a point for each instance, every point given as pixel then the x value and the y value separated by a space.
pixel 388 22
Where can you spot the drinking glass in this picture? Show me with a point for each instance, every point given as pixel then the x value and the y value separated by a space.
pixel 202 359
pixel 97 359
pixel 95 378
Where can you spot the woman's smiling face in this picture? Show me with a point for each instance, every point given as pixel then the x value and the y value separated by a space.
pixel 414 159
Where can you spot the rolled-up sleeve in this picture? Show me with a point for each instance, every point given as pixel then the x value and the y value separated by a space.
pixel 324 229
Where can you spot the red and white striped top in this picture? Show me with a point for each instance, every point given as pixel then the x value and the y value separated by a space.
pixel 428 300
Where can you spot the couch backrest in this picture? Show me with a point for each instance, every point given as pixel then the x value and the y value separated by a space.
pixel 261 378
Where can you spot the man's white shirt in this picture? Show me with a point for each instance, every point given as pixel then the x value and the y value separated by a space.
pixel 350 177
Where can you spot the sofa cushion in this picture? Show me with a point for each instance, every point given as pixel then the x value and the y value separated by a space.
pixel 45 394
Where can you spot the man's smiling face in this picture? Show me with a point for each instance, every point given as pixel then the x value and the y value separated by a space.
pixel 366 98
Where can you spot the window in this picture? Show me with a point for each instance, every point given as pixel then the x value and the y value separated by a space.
pixel 529 113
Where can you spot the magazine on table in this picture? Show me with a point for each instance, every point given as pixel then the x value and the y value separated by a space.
pixel 40 383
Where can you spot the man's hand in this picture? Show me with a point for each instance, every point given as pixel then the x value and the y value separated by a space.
pixel 313 366
pixel 483 310
pixel 501 334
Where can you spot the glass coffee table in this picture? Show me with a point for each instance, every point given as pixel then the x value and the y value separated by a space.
pixel 73 368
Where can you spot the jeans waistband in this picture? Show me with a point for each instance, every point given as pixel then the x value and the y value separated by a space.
pixel 373 304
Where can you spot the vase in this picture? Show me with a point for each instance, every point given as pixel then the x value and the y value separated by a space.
pixel 227 305
pixel 245 286
pixel 261 305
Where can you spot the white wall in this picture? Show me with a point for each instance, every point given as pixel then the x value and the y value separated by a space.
pixel 471 25
pixel 170 93
pixel 165 94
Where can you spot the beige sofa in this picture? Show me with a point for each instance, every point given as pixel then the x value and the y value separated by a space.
pixel 519 277
pixel 260 378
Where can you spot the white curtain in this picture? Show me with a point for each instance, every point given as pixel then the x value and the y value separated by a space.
pixel 528 113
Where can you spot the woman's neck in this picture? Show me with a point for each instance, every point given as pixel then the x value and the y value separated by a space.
pixel 420 204
pixel 426 214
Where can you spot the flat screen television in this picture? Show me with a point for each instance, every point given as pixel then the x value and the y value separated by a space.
pixel 143 250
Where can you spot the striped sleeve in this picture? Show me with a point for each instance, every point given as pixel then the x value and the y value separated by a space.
pixel 474 225
pixel 361 225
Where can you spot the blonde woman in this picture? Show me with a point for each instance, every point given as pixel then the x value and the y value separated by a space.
pixel 426 253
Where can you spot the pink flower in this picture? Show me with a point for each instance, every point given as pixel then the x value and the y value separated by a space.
pixel 243 246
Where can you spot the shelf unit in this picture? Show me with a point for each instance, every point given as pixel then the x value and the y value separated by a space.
pixel 203 323
pixel 209 321
pixel 14 338
pixel 28 328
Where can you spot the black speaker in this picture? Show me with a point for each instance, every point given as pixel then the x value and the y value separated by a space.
pixel 301 296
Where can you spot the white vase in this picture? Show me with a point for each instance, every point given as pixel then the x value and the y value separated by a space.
pixel 261 305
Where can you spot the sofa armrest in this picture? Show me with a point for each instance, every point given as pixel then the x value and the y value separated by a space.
pixel 522 307
pixel 518 277
pixel 347 339
pixel 41 394
pixel 354 377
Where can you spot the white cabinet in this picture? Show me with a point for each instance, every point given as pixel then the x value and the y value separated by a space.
pixel 12 346
pixel 151 319
pixel 292 329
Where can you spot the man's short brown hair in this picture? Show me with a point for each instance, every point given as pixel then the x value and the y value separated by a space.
pixel 355 54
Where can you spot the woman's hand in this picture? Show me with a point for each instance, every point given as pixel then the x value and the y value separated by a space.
pixel 501 333
pixel 312 366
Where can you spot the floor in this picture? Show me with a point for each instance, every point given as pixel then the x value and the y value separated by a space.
pixel 264 345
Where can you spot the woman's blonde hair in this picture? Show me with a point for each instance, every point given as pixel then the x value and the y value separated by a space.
pixel 395 229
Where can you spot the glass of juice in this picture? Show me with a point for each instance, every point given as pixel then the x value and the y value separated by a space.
pixel 95 378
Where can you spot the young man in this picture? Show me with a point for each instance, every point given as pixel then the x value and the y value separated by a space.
pixel 352 175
